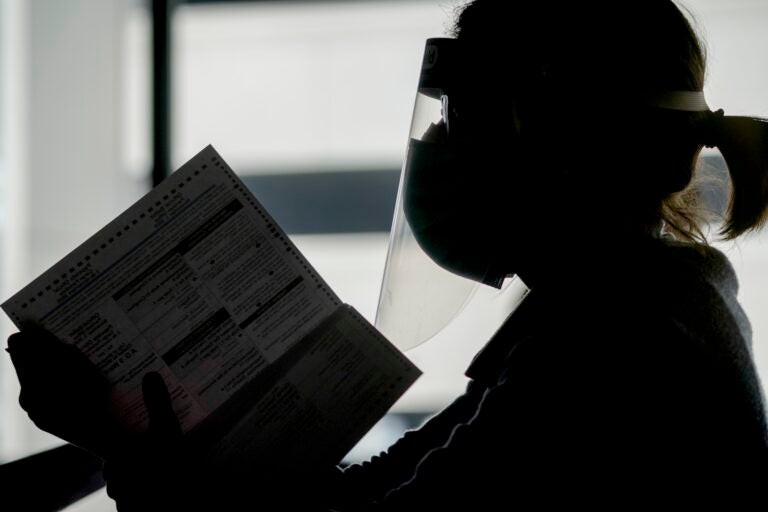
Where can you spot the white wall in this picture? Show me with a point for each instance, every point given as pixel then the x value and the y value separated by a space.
pixel 63 178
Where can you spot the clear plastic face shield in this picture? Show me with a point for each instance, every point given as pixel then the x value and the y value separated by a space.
pixel 438 275
pixel 445 272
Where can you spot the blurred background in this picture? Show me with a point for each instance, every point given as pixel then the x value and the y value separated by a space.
pixel 309 101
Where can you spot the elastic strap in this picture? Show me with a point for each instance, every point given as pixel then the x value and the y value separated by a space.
pixel 687 101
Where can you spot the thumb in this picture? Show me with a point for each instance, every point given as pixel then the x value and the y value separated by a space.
pixel 163 423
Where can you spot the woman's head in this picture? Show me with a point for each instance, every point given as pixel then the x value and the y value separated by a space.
pixel 575 105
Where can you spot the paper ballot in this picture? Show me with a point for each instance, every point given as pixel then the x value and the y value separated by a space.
pixel 197 282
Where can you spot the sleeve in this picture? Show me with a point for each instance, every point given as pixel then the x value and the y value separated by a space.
pixel 481 458
pixel 371 480
pixel 575 416
pixel 499 454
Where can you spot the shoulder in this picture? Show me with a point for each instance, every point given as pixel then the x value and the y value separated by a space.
pixel 667 312
pixel 703 264
pixel 692 287
pixel 698 291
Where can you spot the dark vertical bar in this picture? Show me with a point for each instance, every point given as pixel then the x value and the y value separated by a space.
pixel 161 89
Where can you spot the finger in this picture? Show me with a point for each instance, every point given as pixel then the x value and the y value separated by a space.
pixel 37 334
pixel 16 341
pixel 22 359
pixel 22 347
pixel 40 358
pixel 163 423
pixel 31 375
pixel 36 340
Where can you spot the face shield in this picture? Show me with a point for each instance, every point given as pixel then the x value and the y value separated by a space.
pixel 441 261
pixel 445 270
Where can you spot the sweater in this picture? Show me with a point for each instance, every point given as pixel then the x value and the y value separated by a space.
pixel 629 381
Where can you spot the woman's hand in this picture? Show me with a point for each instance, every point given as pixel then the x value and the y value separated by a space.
pixel 157 470
pixel 151 471
pixel 62 391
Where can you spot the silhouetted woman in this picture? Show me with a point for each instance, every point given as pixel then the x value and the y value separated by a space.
pixel 627 371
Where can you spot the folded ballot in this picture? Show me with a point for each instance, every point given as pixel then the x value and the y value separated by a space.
pixel 197 282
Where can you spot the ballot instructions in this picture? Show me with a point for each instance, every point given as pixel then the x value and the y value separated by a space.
pixel 197 282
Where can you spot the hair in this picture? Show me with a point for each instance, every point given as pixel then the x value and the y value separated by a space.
pixel 610 57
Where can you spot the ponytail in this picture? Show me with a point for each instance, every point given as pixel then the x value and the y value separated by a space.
pixel 743 142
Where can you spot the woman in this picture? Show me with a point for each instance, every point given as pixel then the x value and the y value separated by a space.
pixel 627 370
